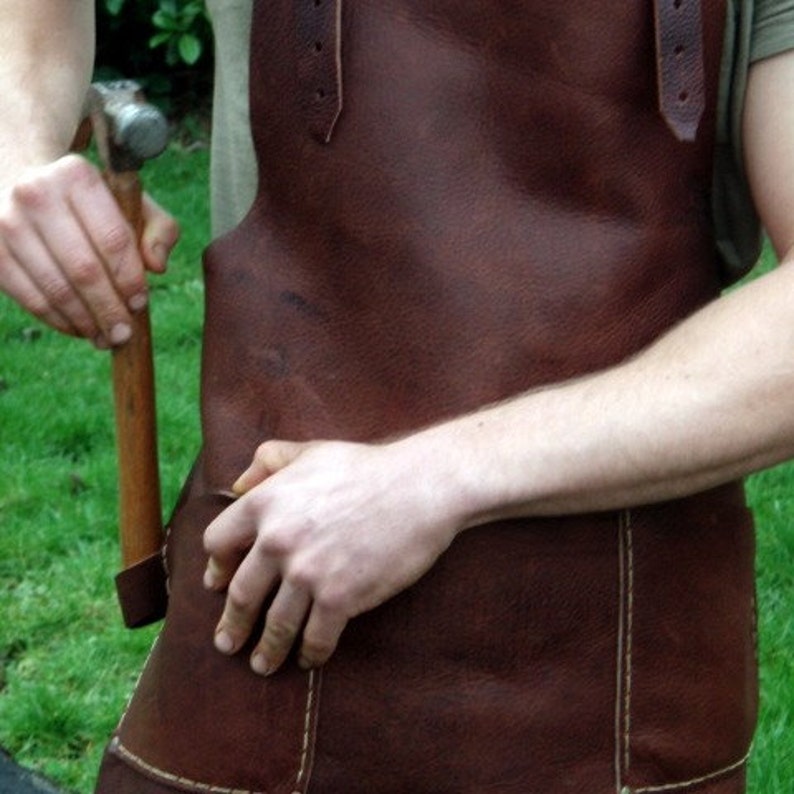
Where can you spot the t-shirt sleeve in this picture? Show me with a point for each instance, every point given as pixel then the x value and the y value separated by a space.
pixel 773 28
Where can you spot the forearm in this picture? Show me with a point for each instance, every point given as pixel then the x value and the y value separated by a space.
pixel 48 52
pixel 711 401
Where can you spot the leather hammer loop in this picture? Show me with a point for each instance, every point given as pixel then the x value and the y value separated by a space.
pixel 319 57
pixel 680 68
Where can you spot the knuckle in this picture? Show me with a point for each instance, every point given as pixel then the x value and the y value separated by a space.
pixel 238 599
pixel 317 650
pixel 83 270
pixel 77 170
pixel 333 599
pixel 209 542
pixel 272 544
pixel 301 576
pixel 279 631
pixel 170 230
pixel 12 227
pixel 35 303
pixel 31 193
pixel 262 454
pixel 211 538
pixel 57 290
pixel 115 240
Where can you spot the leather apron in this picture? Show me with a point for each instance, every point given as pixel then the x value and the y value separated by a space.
pixel 460 200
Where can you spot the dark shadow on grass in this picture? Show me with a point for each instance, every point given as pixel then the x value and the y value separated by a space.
pixel 16 780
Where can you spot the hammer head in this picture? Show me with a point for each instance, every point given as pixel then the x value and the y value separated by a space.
pixel 127 129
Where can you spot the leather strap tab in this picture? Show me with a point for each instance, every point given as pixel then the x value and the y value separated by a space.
pixel 319 57
pixel 680 69
pixel 143 592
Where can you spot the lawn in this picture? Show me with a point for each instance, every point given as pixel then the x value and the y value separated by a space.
pixel 66 663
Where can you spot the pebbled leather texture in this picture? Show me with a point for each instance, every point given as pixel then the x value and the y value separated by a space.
pixel 500 205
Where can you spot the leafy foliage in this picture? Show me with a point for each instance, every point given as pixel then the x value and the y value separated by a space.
pixel 164 44
pixel 180 30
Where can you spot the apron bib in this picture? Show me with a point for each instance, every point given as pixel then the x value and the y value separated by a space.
pixel 460 200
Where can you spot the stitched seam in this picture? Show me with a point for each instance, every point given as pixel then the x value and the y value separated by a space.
pixel 303 771
pixel 137 682
pixel 307 727
pixel 695 781
pixel 620 647
pixel 629 639
pixel 171 778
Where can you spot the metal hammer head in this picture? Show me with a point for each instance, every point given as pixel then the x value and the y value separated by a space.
pixel 127 129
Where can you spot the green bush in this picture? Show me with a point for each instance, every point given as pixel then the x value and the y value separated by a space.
pixel 164 44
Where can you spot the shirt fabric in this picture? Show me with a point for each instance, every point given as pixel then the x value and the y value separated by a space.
pixel 755 29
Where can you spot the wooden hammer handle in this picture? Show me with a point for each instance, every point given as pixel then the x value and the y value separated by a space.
pixel 140 515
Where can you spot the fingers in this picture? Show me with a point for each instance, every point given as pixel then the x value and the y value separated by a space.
pixel 160 235
pixel 250 563
pixel 69 256
pixel 321 636
pixel 65 231
pixel 227 541
pixel 282 625
pixel 250 571
pixel 247 590
pixel 334 525
pixel 270 457
pixel 25 291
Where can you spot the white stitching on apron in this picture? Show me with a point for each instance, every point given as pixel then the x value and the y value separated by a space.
pixel 688 783
pixel 619 661
pixel 168 777
pixel 629 637
pixel 623 718
pixel 308 726
pixel 134 760
pixel 624 650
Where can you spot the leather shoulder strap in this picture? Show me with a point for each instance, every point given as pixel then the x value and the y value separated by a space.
pixel 680 70
pixel 319 59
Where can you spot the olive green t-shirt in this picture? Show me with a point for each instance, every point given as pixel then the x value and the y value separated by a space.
pixel 755 29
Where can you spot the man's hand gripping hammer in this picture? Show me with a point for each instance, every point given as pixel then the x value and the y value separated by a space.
pixel 128 131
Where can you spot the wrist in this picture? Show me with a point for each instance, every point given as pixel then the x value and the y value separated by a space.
pixel 450 469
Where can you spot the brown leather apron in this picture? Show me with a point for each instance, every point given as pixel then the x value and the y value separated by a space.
pixel 498 205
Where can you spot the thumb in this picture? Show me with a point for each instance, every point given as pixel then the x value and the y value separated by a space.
pixel 160 235
pixel 270 457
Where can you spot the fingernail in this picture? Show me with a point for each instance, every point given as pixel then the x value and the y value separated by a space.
pixel 209 579
pixel 260 664
pixel 120 333
pixel 138 302
pixel 305 664
pixel 223 642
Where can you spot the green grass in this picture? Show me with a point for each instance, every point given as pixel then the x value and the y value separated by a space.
pixel 771 494
pixel 67 665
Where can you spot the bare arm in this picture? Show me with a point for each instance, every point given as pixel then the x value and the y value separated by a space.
pixel 66 254
pixel 339 528
pixel 48 54
pixel 711 401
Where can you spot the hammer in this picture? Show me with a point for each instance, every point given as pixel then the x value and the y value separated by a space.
pixel 128 131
